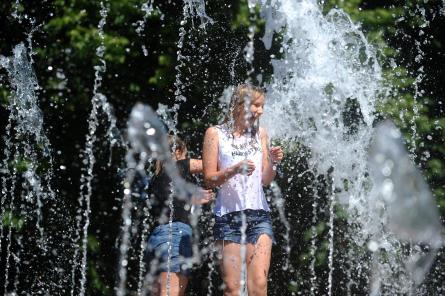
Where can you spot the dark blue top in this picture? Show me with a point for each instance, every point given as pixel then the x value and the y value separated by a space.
pixel 160 190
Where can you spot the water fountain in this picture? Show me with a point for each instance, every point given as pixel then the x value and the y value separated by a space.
pixel 326 71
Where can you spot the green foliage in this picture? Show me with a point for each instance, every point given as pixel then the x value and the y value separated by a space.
pixel 93 244
pixel 4 97
pixel 162 73
pixel 96 282
pixel 18 8
pixel 21 165
pixel 319 229
pixel 244 19
pixel 12 220
pixel 321 252
pixel 340 212
pixel 293 286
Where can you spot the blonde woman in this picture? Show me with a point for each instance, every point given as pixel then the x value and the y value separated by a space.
pixel 237 159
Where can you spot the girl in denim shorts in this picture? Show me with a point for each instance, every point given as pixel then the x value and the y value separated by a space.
pixel 237 159
pixel 170 246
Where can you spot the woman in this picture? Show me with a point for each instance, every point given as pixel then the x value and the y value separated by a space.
pixel 172 266
pixel 237 159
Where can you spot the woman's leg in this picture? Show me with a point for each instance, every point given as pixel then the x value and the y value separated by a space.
pixel 181 251
pixel 230 263
pixel 258 263
pixel 178 284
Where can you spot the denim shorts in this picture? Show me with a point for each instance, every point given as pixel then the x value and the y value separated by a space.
pixel 228 226
pixel 180 253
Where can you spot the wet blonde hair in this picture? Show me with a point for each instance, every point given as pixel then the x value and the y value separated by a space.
pixel 241 94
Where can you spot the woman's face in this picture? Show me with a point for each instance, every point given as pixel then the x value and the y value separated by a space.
pixel 256 106
pixel 255 110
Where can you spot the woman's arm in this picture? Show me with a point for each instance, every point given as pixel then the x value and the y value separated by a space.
pixel 268 172
pixel 203 196
pixel 212 176
pixel 195 166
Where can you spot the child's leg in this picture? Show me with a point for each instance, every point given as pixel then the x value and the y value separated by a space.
pixel 258 263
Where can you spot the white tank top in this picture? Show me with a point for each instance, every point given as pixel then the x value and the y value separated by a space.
pixel 240 192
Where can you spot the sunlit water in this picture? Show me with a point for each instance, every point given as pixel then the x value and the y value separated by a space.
pixel 25 191
pixel 148 142
pixel 99 106
pixel 327 70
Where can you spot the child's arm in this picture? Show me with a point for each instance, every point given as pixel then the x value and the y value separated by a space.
pixel 195 166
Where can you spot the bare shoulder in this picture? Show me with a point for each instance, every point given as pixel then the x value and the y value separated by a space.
pixel 211 130
pixel 263 133
pixel 211 133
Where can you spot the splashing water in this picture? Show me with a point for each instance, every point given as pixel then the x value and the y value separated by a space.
pixel 15 13
pixel 327 61
pixel 25 143
pixel 420 75
pixel 148 9
pixel 328 64
pixel 197 8
pixel 190 9
pixel 147 138
pixel 99 102
pixel 148 142
pixel 412 213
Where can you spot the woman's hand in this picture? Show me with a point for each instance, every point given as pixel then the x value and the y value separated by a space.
pixel 245 167
pixel 203 196
pixel 276 154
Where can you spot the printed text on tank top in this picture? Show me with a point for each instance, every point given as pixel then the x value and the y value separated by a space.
pixel 241 191
pixel 245 148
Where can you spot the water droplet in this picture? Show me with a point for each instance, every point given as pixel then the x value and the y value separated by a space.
pixel 373 246
pixel 387 190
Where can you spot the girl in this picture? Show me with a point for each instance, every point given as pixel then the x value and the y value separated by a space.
pixel 181 231
pixel 237 159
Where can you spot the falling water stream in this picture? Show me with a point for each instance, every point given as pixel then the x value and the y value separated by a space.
pixel 312 83
pixel 147 8
pixel 328 61
pixel 99 103
pixel 25 143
